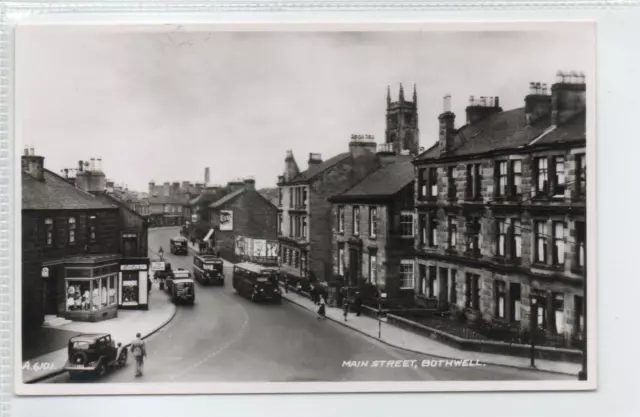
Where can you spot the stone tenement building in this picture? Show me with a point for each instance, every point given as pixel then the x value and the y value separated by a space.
pixel 501 211
pixel 373 231
pixel 304 218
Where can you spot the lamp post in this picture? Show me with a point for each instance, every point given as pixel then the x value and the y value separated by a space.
pixel 532 330
pixel 382 295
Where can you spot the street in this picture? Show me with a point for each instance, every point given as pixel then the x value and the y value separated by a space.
pixel 225 337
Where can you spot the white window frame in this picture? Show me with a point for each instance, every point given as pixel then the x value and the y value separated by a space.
pixel 356 220
pixel 373 267
pixel 407 274
pixel 341 219
pixel 71 230
pixel 373 222
pixel 407 214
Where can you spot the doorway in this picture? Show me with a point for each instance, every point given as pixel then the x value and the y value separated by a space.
pixel 354 266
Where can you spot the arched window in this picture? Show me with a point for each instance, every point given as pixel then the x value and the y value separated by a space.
pixel 408 141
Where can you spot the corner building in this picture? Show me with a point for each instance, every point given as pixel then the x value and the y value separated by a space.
pixel 500 205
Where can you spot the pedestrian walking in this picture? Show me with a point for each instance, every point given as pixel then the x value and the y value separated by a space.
pixel 139 352
pixel 358 303
pixel 322 311
pixel 313 292
pixel 345 308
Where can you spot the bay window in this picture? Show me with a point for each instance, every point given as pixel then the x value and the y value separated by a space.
pixel 91 294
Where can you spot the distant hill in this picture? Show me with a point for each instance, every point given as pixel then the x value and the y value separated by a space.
pixel 270 194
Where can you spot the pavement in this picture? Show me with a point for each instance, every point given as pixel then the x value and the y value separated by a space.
pixel 122 329
pixel 224 337
pixel 406 340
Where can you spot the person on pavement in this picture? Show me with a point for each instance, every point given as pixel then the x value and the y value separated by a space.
pixel 139 352
pixel 345 308
pixel 322 312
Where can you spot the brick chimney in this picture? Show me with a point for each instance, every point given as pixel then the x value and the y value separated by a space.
pixel 235 185
pixel 568 96
pixel 447 121
pixel 33 164
pixel 482 108
pixel 152 188
pixel 175 188
pixel 361 144
pixel 537 103
pixel 290 167
pixel 166 189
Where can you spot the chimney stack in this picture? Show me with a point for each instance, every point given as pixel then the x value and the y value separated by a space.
pixel 447 125
pixel 33 165
pixel 99 164
pixel 568 96
pixel 250 183
pixel 482 108
pixel 538 103
pixel 92 165
pixel 361 144
pixel 291 169
pixel 314 159
pixel 206 176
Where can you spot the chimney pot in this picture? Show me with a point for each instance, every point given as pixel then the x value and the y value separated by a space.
pixel 446 103
pixel 496 101
pixel 26 151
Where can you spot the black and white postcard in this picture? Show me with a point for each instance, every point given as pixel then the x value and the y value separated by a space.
pixel 281 208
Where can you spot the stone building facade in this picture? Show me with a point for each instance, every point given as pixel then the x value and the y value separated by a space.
pixel 304 215
pixel 79 249
pixel 500 205
pixel 244 225
pixel 373 231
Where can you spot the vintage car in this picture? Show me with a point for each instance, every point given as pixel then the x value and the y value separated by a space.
pixel 208 269
pixel 180 287
pixel 256 282
pixel 94 354
pixel 179 245
pixel 161 271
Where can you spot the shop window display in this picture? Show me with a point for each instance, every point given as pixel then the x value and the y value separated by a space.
pixel 91 294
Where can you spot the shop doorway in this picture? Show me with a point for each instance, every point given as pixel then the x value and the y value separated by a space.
pixel 354 266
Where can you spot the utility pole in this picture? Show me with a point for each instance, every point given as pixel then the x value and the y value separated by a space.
pixel 532 328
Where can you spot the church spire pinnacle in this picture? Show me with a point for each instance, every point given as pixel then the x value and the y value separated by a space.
pixel 401 94
pixel 415 96
pixel 388 96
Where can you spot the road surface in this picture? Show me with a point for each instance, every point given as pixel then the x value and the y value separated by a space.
pixel 225 337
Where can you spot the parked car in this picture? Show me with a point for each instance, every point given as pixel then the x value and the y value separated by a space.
pixel 94 354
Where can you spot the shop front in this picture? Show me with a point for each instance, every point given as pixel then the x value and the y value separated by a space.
pixel 90 289
pixel 134 283
pixel 93 288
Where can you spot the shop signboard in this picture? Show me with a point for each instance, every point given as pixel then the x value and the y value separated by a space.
pixel 226 220
pixel 157 266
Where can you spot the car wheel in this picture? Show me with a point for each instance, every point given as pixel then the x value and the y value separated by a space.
pixel 78 358
pixel 101 370
pixel 122 361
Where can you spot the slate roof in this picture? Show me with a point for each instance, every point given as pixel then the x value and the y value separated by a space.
pixel 318 169
pixel 384 182
pixel 508 130
pixel 56 193
pixel 227 198
pixel 121 204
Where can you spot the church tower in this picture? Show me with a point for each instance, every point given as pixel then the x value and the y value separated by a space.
pixel 402 122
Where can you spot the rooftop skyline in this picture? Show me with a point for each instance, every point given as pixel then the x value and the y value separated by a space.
pixel 163 105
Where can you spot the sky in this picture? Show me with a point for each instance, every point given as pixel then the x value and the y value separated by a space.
pixel 162 104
